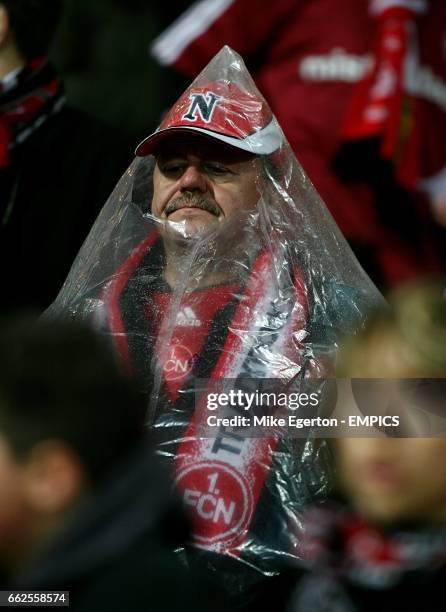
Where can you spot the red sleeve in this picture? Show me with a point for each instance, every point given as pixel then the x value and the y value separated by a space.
pixel 201 31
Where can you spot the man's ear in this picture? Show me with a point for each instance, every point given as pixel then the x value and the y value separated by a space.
pixel 4 24
pixel 53 477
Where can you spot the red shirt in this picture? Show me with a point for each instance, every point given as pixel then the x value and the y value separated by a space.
pixel 307 57
pixel 181 343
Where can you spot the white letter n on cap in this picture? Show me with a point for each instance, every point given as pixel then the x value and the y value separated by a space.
pixel 204 105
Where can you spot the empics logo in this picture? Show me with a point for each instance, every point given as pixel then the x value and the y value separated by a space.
pixel 201 106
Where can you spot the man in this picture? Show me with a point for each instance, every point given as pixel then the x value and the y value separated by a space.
pixel 53 179
pixel 368 74
pixel 84 507
pixel 216 261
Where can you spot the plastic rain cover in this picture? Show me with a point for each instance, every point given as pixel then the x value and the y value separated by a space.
pixel 226 283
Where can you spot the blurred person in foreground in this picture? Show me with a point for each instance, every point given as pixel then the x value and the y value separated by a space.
pixel 84 507
pixel 58 165
pixel 381 544
pixel 359 87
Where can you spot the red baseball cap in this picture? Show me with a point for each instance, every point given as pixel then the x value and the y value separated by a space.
pixel 224 111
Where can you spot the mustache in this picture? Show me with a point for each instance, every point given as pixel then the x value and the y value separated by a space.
pixel 195 200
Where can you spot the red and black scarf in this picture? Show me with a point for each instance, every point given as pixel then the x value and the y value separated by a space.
pixel 380 126
pixel 340 540
pixel 235 478
pixel 26 101
pixel 353 566
pixel 377 108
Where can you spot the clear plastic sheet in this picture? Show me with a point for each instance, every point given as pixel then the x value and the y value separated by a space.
pixel 261 293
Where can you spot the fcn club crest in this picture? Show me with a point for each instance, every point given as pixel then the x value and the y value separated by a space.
pixel 201 106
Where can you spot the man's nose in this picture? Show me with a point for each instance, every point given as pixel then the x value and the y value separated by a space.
pixel 193 179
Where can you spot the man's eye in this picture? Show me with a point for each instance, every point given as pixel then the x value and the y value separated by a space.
pixel 171 169
pixel 216 169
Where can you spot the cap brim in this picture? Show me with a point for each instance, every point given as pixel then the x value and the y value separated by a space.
pixel 263 142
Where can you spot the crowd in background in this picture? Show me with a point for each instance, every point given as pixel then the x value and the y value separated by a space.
pixel 379 540
pixel 387 200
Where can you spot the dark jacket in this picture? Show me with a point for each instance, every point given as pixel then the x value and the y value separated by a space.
pixel 61 177
pixel 117 552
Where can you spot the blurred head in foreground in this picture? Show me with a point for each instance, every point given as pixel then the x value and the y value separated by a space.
pixel 399 480
pixel 67 415
pixel 27 27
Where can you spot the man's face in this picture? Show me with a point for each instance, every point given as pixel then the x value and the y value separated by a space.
pixel 199 182
pixel 392 480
